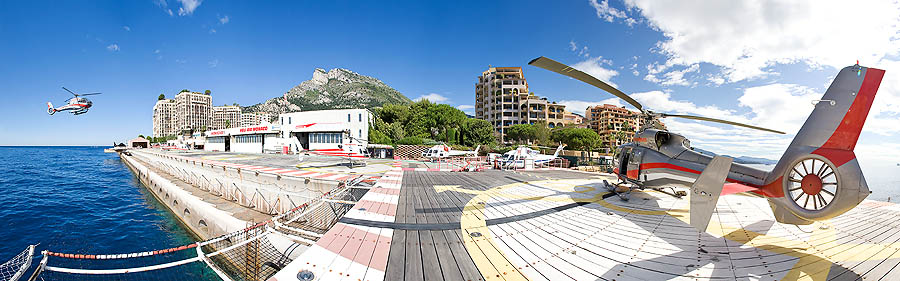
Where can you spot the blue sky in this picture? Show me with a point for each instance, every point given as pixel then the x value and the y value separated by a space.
pixel 748 61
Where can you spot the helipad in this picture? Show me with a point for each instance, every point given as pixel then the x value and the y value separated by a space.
pixel 560 225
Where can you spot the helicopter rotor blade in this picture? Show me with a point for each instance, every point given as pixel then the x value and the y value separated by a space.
pixel 566 70
pixel 91 94
pixel 67 90
pixel 719 121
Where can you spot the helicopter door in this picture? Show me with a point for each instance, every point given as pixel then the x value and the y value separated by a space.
pixel 634 163
pixel 623 160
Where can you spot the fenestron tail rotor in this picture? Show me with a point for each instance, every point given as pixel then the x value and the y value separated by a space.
pixel 566 70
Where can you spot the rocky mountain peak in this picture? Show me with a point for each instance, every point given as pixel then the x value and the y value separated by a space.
pixel 337 88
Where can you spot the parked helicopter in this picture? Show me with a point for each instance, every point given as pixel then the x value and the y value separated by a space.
pixel 444 151
pixel 525 158
pixel 817 177
pixel 76 104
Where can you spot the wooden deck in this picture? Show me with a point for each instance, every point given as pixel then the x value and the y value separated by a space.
pixel 561 225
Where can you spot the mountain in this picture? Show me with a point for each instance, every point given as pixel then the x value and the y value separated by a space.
pixel 741 159
pixel 335 89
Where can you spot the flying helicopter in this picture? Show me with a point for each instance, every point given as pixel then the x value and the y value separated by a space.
pixel 444 151
pixel 817 177
pixel 77 104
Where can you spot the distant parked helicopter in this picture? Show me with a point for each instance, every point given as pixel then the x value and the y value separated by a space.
pixel 444 151
pixel 524 157
pixel 76 104
pixel 817 178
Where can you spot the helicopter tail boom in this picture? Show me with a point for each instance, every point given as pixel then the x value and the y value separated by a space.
pixel 50 109
pixel 818 177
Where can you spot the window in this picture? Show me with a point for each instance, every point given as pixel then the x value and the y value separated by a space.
pixel 289 120
pixel 360 117
pixel 348 117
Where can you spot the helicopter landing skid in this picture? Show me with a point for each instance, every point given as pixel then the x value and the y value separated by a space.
pixel 624 195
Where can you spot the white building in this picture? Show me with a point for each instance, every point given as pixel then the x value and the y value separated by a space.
pixel 325 129
pixel 164 118
pixel 255 139
pixel 194 111
pixel 224 117
pixel 253 119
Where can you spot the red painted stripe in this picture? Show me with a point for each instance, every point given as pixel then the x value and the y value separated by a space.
pixel 847 133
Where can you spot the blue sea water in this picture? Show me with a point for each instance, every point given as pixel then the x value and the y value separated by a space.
pixel 78 200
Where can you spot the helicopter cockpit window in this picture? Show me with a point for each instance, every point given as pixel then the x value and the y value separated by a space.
pixel 661 138
pixel 686 143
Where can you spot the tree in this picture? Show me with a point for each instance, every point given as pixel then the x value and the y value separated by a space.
pixel 184 90
pixel 376 136
pixel 476 131
pixel 411 141
pixel 207 92
pixel 523 133
pixel 227 124
pixel 541 133
pixel 577 138
pixel 161 97
pixel 141 136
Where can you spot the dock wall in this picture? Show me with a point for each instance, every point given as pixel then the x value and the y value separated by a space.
pixel 203 218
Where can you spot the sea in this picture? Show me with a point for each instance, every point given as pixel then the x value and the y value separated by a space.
pixel 80 200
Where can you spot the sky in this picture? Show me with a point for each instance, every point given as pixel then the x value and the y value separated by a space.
pixel 759 62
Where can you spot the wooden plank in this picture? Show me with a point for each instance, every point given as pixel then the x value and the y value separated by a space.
pixel 396 264
pixel 414 270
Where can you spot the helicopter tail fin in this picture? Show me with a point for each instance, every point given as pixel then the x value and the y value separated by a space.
pixel 706 190
pixel 558 149
pixel 50 109
pixel 818 177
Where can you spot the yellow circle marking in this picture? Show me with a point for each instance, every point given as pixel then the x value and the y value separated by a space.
pixel 814 261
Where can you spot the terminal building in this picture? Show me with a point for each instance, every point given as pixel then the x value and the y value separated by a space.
pixel 254 139
pixel 323 130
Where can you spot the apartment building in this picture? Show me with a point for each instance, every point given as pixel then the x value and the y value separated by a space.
pixel 224 117
pixel 164 118
pixel 194 111
pixel 253 119
pixel 608 120
pixel 503 99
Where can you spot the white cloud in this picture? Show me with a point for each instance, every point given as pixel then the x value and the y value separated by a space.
pixel 780 106
pixel 674 77
pixel 594 67
pixel 164 6
pixel 214 63
pixel 212 31
pixel 158 54
pixel 746 38
pixel 223 20
pixel 578 106
pixel 126 28
pixel 432 97
pixel 180 61
pixel 607 13
pixel 572 45
pixel 467 108
pixel 113 47
pixel 188 7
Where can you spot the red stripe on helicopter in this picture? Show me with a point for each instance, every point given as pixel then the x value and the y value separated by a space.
pixel 839 147
pixel 733 186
